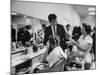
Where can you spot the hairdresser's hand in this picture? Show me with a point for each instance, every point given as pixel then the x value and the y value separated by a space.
pixel 73 42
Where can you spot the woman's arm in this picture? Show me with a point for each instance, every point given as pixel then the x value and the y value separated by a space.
pixel 82 48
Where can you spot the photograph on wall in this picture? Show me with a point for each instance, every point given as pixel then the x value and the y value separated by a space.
pixel 52 37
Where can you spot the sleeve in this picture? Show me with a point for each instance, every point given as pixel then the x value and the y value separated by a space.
pixel 28 36
pixel 63 33
pixel 46 37
pixel 80 38
pixel 89 40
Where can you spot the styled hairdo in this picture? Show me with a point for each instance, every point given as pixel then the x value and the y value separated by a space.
pixel 87 28
pixel 68 25
pixel 51 17
pixel 28 27
pixel 94 28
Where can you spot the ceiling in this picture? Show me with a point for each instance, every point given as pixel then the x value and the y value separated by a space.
pixel 83 10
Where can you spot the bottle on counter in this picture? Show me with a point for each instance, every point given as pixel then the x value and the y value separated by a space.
pixel 35 49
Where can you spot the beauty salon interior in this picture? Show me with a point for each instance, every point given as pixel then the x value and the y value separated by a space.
pixel 52 37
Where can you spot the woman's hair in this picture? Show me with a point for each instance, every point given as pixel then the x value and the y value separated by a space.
pixel 94 28
pixel 28 27
pixel 36 70
pixel 51 17
pixel 87 28
pixel 68 25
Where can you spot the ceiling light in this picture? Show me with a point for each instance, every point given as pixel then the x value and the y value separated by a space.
pixel 91 9
pixel 92 13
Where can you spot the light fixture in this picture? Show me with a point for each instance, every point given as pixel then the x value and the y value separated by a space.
pixel 13 13
pixel 92 13
pixel 91 9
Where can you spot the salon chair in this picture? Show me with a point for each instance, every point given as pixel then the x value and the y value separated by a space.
pixel 57 67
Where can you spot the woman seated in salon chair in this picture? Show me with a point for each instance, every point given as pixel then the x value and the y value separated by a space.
pixel 80 52
pixel 55 60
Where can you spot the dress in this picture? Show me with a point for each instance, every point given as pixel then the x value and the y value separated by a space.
pixel 83 42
